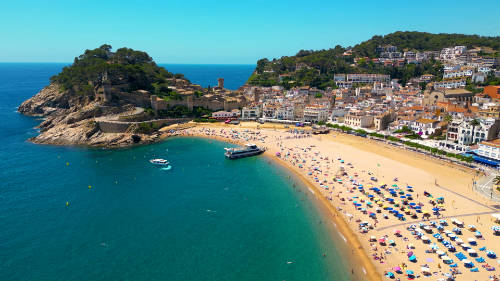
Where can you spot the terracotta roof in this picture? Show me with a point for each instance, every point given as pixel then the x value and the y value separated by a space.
pixel 426 121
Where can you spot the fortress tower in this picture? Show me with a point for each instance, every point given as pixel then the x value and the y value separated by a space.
pixel 221 83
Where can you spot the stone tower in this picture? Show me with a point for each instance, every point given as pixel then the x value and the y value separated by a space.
pixel 221 83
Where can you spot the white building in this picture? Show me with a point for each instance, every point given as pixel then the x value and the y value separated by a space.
pixel 486 130
pixel 484 69
pixel 225 114
pixel 250 112
pixel 424 127
pixel 315 113
pixel 450 84
pixel 285 113
pixel 452 74
pixel 489 149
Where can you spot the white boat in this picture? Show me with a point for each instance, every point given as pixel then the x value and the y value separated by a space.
pixel 246 151
pixel 161 162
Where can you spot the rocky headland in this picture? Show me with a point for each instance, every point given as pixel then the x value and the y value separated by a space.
pixel 115 99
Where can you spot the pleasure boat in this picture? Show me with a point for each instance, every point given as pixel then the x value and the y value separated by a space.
pixel 246 151
pixel 161 162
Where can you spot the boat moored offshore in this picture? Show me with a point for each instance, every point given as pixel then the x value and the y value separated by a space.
pixel 246 151
pixel 161 162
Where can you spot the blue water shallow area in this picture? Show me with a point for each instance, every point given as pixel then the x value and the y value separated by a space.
pixel 72 213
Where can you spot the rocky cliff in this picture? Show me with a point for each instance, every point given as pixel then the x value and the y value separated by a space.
pixel 70 119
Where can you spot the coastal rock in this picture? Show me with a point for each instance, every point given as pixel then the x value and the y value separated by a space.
pixel 48 100
pixel 71 120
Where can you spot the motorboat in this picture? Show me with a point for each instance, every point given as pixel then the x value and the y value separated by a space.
pixel 161 162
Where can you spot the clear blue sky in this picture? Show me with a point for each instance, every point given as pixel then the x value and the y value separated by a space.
pixel 222 31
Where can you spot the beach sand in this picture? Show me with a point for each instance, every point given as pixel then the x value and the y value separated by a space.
pixel 334 165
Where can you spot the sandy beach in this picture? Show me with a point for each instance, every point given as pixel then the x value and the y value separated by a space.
pixel 405 215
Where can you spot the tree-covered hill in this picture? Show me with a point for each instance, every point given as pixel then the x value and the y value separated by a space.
pixel 317 68
pixel 135 69
pixel 423 41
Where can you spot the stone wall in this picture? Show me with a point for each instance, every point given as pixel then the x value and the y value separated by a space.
pixel 122 127
pixel 113 126
pixel 191 101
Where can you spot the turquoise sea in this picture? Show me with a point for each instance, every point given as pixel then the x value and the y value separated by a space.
pixel 206 219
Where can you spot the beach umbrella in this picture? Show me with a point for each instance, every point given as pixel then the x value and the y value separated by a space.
pixel 410 253
pixel 397 268
pixel 472 252
pixel 389 274
pixel 412 258
pixel 410 272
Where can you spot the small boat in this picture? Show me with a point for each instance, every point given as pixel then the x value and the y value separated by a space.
pixel 161 162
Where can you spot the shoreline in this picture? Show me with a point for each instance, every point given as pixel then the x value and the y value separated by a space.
pixel 358 254
pixel 314 159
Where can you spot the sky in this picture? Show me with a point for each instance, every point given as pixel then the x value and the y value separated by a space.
pixel 222 31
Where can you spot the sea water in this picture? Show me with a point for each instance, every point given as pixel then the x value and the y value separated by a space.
pixel 73 213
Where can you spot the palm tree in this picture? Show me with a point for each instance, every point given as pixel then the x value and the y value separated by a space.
pixel 448 118
pixel 474 122
pixel 497 180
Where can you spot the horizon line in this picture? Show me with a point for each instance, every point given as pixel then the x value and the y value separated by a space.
pixel 177 63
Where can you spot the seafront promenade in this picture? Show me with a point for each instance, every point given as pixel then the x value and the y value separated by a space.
pixel 414 216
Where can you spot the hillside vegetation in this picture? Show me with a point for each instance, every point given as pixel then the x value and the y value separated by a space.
pixel 316 68
pixel 423 41
pixel 133 69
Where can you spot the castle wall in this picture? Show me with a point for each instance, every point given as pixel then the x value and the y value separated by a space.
pixel 122 127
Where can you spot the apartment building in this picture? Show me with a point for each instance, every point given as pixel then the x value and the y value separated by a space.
pixel 358 120
pixel 489 149
pixel 462 73
pixel 315 113
pixel 250 112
